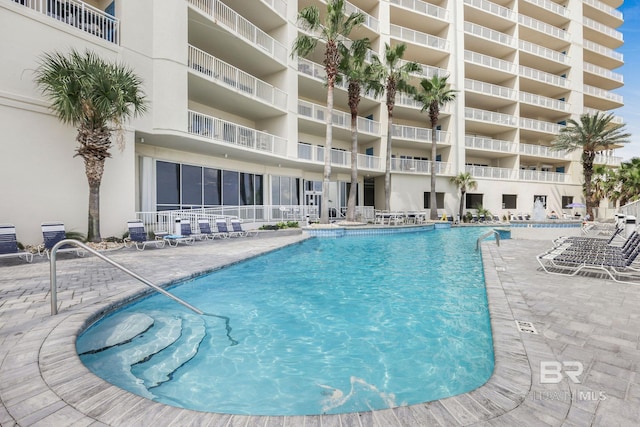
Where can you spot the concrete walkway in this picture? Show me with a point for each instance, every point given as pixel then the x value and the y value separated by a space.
pixel 587 343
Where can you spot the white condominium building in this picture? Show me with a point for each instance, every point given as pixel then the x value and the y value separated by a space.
pixel 236 120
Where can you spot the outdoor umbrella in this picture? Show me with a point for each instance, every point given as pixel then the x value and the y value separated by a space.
pixel 576 205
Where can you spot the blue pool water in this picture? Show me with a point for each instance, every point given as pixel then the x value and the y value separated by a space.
pixel 325 326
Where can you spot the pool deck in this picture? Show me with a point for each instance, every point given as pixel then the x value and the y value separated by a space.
pixel 583 322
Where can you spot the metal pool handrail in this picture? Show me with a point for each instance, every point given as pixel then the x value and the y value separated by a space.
pixel 52 273
pixel 487 234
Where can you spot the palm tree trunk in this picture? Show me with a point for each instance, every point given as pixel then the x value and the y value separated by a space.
pixel 353 191
pixel 387 169
pixel 324 203
pixel 433 201
pixel 587 164
pixel 94 169
pixel 462 193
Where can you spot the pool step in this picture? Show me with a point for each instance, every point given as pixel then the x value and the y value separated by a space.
pixel 161 366
pixel 113 331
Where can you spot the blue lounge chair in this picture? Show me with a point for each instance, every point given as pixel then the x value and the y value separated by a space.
pixel 237 228
pixel 207 233
pixel 185 236
pixel 9 244
pixel 221 225
pixel 52 233
pixel 138 236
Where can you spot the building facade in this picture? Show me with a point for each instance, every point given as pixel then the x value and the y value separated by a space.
pixel 236 120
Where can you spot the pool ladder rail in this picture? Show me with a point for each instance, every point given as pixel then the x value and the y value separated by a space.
pixel 488 234
pixel 54 286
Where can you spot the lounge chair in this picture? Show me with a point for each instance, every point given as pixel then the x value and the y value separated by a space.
pixel 52 233
pixel 186 235
pixel 221 225
pixel 237 228
pixel 9 244
pixel 207 233
pixel 138 236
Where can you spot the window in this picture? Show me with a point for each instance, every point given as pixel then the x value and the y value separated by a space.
pixel 192 186
pixel 439 200
pixel 509 201
pixel 284 190
pixel 473 200
pixel 566 200
pixel 230 188
pixel 167 185
pixel 212 187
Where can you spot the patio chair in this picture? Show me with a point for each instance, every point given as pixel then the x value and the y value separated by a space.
pixel 186 236
pixel 52 233
pixel 9 244
pixel 207 233
pixel 138 236
pixel 237 228
pixel 221 225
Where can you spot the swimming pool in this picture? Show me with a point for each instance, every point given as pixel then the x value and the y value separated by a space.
pixel 326 326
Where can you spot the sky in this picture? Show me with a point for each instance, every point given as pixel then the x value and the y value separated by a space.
pixel 630 92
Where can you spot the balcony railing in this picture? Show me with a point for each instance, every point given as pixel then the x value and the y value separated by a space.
pixel 341 158
pixel 595 25
pixel 491 144
pixel 601 93
pixel 604 159
pixel 492 8
pixel 419 166
pixel 543 52
pixel 539 126
pixel 418 134
pixel 490 117
pixel 605 8
pixel 603 72
pixel 318 72
pixel 423 8
pixel 489 89
pixel 235 79
pixel 234 134
pixel 543 101
pixel 340 119
pixel 605 51
pixel 369 21
pixel 531 175
pixel 543 27
pixel 490 61
pixel 542 151
pixel 280 6
pixel 416 37
pixel 79 15
pixel 427 71
pixel 550 6
pixel 543 76
pixel 223 15
pixel 489 34
pixel 491 172
pixel 593 111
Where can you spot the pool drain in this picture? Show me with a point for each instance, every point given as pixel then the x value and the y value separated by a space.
pixel 526 327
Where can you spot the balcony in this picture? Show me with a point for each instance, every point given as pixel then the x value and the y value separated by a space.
pixel 234 79
pixel 489 89
pixel 493 9
pixel 542 32
pixel 608 160
pixel 230 133
pixel 543 102
pixel 427 71
pixel 490 117
pixel 489 34
pixel 598 54
pixel 419 166
pixel 604 99
pixel 418 38
pixel 542 151
pixel 79 15
pixel 543 76
pixel 543 52
pixel 318 73
pixel 418 134
pixel 604 74
pixel 539 126
pixel 551 7
pixel 598 30
pixel 226 17
pixel 490 144
pixel 491 172
pixel 339 158
pixel 605 13
pixel 532 175
pixel 369 21
pixel 423 8
pixel 490 62
pixel 341 120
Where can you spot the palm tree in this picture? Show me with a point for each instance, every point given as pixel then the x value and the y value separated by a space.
pixel 360 77
pixel 434 95
pixel 628 177
pixel 95 96
pixel 464 181
pixel 594 133
pixel 335 29
pixel 395 75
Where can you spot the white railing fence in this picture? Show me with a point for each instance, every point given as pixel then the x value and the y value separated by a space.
pixel 79 15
